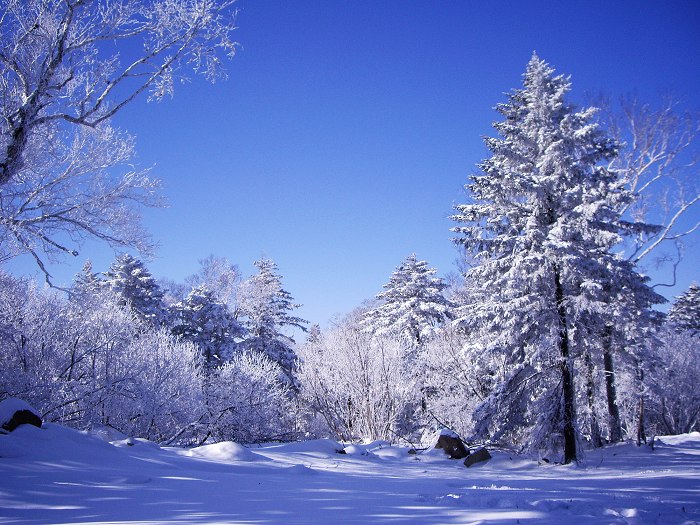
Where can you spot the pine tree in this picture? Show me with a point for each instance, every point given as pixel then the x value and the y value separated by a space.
pixel 265 309
pixel 203 320
pixel 412 303
pixel 684 315
pixel 129 278
pixel 541 229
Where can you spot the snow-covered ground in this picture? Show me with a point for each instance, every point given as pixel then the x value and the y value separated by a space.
pixel 57 475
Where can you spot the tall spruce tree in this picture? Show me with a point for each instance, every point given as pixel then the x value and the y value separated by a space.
pixel 541 228
pixel 412 303
pixel 265 309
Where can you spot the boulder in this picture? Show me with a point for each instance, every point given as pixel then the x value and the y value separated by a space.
pixel 480 455
pixel 451 444
pixel 15 412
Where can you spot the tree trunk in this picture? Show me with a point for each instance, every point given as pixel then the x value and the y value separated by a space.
pixel 641 432
pixel 614 426
pixel 596 440
pixel 566 376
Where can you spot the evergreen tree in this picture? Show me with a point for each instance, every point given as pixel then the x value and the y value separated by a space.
pixel 541 229
pixel 684 315
pixel 203 320
pixel 412 303
pixel 86 282
pixel 129 278
pixel 265 309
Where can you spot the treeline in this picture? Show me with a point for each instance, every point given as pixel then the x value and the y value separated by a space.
pixel 154 360
pixel 174 363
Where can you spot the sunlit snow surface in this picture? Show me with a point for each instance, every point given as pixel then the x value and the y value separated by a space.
pixel 57 475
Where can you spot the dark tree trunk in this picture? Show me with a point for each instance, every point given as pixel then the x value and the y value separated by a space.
pixel 641 429
pixel 614 426
pixel 566 376
pixel 641 432
pixel 596 440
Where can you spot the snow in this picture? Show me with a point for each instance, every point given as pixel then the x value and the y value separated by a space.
pixel 58 475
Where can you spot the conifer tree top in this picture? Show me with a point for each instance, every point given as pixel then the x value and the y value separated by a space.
pixel 685 312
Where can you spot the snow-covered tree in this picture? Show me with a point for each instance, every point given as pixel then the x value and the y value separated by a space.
pixel 684 314
pixel 541 228
pixel 265 309
pixel 86 282
pixel 412 303
pixel 131 281
pixel 208 323
pixel 220 276
pixel 66 68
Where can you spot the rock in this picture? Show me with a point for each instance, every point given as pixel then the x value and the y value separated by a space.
pixel 450 443
pixel 15 412
pixel 481 455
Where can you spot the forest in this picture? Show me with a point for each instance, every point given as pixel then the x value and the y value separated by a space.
pixel 552 339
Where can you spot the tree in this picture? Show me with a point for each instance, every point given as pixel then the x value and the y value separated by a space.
pixel 658 162
pixel 131 281
pixel 71 189
pixel 220 276
pixel 206 322
pixel 684 315
pixel 412 305
pixel 265 310
pixel 541 228
pixel 62 81
pixel 86 282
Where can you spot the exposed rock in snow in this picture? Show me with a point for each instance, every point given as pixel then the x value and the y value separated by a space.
pixel 481 455
pixel 15 412
pixel 450 442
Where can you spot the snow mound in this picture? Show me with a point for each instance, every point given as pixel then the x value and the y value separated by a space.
pixel 359 450
pixel 392 453
pixel 323 446
pixel 130 442
pixel 301 470
pixel 106 433
pixel 226 451
pixel 54 442
pixel 693 438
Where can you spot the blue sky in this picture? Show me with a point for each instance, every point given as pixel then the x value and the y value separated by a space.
pixel 347 130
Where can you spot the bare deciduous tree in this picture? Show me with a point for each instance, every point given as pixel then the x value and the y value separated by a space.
pixel 66 68
pixel 659 162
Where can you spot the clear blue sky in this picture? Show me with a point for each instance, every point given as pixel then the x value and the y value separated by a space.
pixel 347 130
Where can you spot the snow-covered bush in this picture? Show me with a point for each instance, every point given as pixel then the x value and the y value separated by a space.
pixel 453 381
pixel 91 361
pixel 674 406
pixel 360 385
pixel 247 402
pixel 162 399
